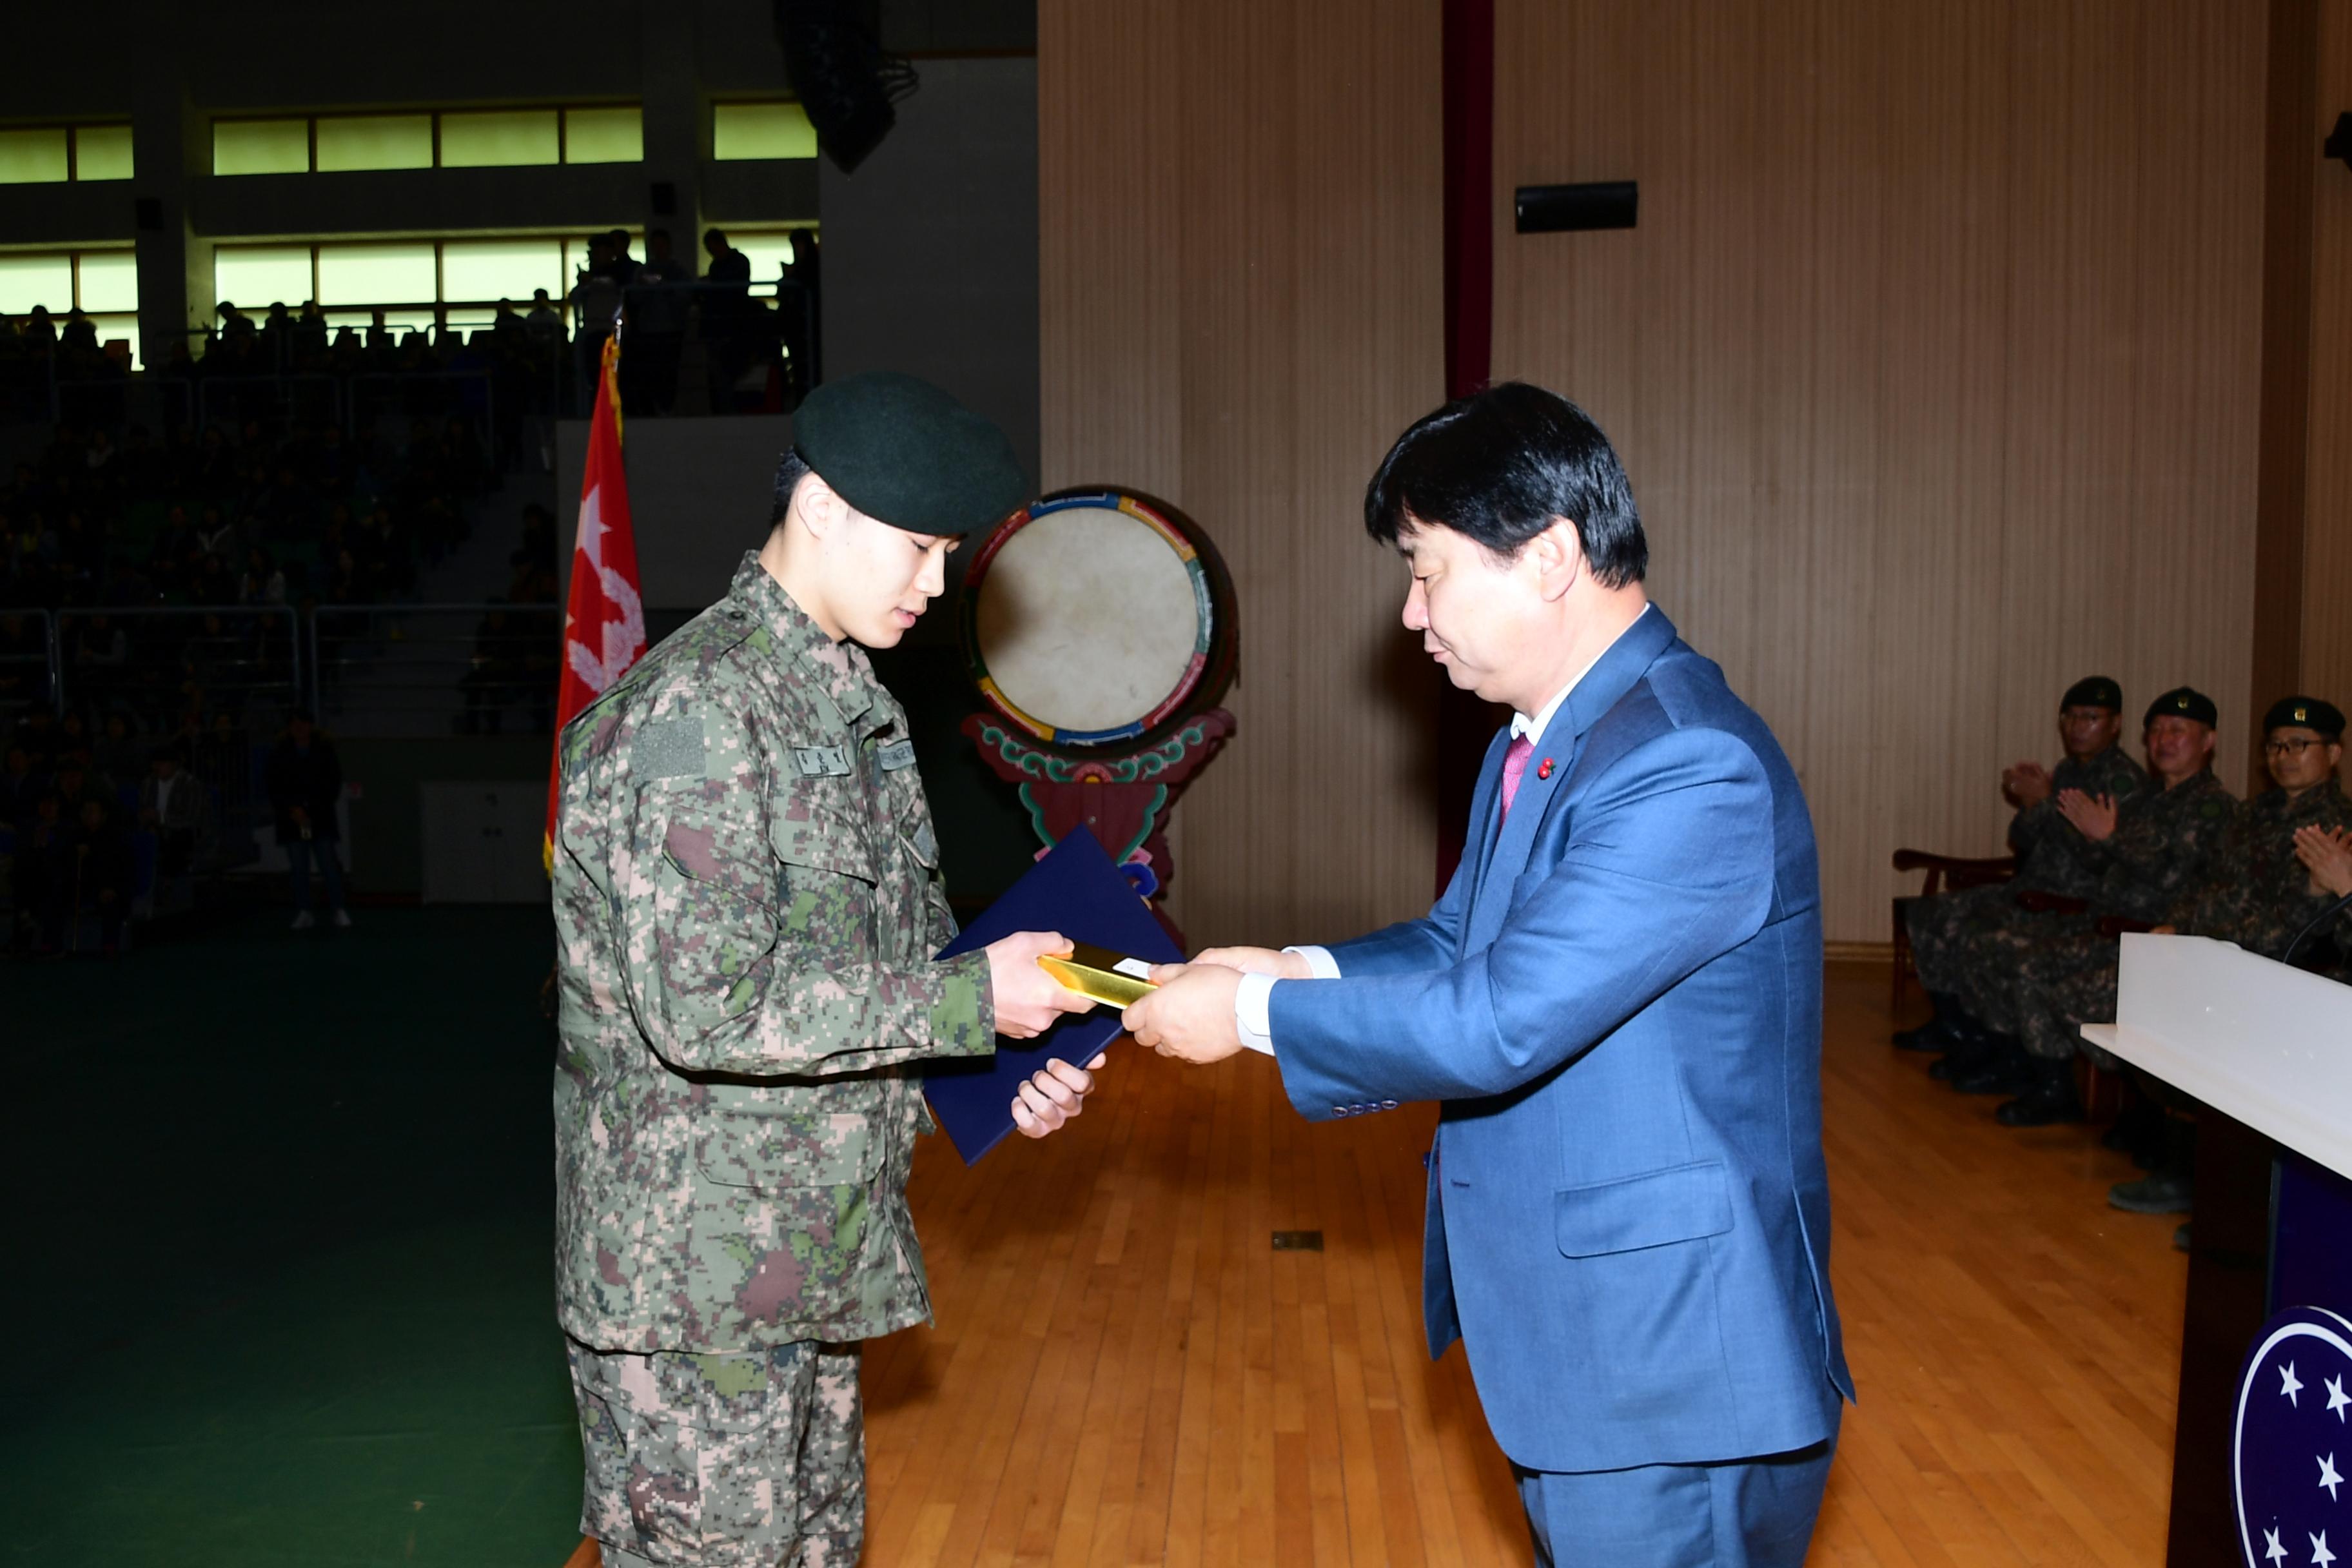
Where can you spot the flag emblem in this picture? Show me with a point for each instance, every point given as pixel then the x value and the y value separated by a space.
pixel 2291 1448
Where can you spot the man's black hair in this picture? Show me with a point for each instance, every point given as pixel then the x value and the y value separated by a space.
pixel 789 469
pixel 1498 466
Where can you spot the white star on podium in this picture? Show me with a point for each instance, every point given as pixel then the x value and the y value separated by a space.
pixel 2336 1398
pixel 2270 1547
pixel 2329 1477
pixel 2289 1386
pixel 2320 1555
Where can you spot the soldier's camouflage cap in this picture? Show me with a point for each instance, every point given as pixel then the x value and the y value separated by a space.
pixel 2186 703
pixel 2095 692
pixel 903 451
pixel 2305 713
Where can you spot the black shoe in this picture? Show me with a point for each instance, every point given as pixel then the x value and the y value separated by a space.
pixel 1960 1060
pixel 2006 1071
pixel 2165 1192
pixel 2046 1104
pixel 1935 1035
pixel 2181 1235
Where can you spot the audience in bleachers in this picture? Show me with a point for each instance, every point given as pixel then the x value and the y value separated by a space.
pixel 2015 969
pixel 306 781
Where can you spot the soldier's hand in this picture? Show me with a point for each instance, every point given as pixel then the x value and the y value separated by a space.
pixel 2026 783
pixel 2095 818
pixel 1028 1003
pixel 1259 961
pixel 2326 853
pixel 1054 1096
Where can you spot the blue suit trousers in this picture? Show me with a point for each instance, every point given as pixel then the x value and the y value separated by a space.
pixel 1749 1513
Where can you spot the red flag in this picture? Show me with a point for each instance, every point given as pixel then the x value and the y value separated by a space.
pixel 604 622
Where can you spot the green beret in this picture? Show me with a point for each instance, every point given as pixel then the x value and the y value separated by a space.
pixel 2185 702
pixel 902 451
pixel 2305 713
pixel 2095 692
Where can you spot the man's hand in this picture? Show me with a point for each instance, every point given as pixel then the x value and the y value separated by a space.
pixel 1190 1016
pixel 1054 1096
pixel 1028 1003
pixel 1259 961
pixel 2093 816
pixel 2025 783
pixel 2326 853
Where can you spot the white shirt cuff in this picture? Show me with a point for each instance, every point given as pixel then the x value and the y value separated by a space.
pixel 1251 1004
pixel 1254 1003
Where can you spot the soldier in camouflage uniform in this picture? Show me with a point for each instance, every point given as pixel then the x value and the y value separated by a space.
pixel 748 897
pixel 2052 856
pixel 2149 854
pixel 2258 894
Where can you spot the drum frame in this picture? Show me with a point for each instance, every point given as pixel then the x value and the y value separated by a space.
pixel 1216 649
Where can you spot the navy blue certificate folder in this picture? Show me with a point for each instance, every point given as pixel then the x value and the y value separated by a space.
pixel 1074 890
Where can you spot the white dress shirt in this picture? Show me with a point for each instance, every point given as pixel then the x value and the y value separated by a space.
pixel 1252 1003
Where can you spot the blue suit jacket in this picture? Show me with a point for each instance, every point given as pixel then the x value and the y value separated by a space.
pixel 1618 1001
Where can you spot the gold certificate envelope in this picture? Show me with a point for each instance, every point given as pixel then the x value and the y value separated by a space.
pixel 1109 977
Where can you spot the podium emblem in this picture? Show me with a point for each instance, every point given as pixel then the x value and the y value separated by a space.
pixel 2291 1441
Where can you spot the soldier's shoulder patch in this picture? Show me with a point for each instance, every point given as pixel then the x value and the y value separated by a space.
pixel 667 749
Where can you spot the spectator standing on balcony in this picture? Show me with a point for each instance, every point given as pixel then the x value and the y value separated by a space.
pixel 41 880
pixel 305 781
pixel 595 299
pixel 656 301
pixel 724 310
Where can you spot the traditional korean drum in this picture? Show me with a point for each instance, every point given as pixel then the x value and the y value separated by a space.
pixel 1095 620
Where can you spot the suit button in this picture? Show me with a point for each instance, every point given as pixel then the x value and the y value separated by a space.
pixel 1388 1105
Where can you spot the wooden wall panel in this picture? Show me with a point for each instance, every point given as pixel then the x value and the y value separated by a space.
pixel 1934 360
pixel 2327 529
pixel 1241 308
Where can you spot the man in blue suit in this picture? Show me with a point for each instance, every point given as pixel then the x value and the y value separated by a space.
pixel 1618 1003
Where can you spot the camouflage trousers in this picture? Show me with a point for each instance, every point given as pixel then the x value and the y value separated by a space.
pixel 2056 1007
pixel 751 1460
pixel 1941 929
pixel 2005 965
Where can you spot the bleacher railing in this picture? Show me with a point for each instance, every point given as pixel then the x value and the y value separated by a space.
pixel 28 662
pixel 417 670
pixel 244 658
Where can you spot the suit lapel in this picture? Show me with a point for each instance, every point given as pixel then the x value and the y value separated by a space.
pixel 1562 744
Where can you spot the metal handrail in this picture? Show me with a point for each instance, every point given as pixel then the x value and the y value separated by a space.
pixel 133 611
pixel 53 693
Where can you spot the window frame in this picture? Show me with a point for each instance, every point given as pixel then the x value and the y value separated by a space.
pixel 562 110
pixel 73 129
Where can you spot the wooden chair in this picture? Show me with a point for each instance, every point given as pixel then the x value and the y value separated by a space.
pixel 1946 874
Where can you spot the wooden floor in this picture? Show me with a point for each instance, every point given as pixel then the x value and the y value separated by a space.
pixel 1123 1372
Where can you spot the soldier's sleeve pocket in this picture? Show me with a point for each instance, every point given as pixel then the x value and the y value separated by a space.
pixel 712 848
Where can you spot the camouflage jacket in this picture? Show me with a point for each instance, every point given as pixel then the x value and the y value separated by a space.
pixel 747 898
pixel 2258 894
pixel 2164 840
pixel 2050 850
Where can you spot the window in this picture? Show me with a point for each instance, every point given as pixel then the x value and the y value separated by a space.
pixel 448 139
pixel 375 141
pixel 51 155
pixel 779 130
pixel 770 253
pixel 101 284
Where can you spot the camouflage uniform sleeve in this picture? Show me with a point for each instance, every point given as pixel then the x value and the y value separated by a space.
pixel 2026 828
pixel 2151 872
pixel 737 963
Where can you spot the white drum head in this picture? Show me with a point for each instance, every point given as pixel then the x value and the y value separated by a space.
pixel 1089 620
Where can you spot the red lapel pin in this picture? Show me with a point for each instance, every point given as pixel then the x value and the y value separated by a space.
pixel 1544 771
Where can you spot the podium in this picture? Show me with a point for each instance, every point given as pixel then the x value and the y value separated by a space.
pixel 2267 1051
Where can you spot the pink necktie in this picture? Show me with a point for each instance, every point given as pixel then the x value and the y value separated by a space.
pixel 1515 767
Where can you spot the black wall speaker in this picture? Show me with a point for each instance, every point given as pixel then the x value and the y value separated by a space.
pixel 149 212
pixel 663 199
pixel 1556 209
pixel 843 80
